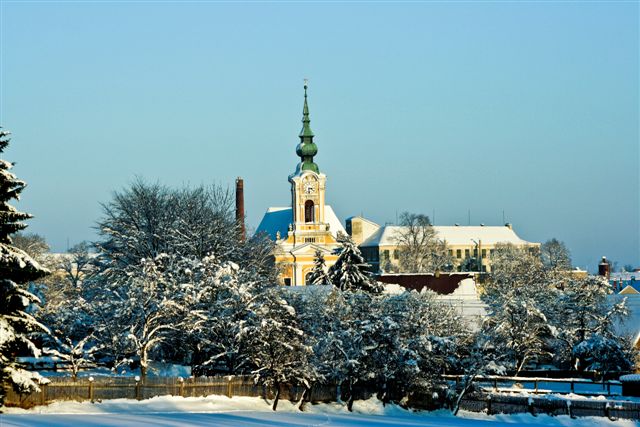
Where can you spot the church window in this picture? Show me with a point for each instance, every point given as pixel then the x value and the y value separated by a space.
pixel 287 281
pixel 306 279
pixel 309 211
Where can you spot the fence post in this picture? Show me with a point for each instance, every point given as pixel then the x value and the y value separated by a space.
pixel 43 393
pixel 138 394
pixel 495 383
pixel 535 383
pixel 229 387
pixel 573 388
pixel 91 389
pixel 489 405
pixel 569 411
pixel 181 385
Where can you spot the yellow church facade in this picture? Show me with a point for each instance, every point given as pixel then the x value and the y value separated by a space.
pixel 309 225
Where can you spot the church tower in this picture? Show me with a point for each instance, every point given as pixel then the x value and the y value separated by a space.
pixel 309 225
pixel 308 187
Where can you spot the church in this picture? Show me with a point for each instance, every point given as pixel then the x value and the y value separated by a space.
pixel 309 225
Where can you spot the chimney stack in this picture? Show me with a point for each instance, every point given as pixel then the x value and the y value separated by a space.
pixel 240 209
pixel 604 268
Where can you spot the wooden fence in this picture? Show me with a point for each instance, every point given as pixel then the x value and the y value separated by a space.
pixel 104 388
pixel 539 385
pixel 507 404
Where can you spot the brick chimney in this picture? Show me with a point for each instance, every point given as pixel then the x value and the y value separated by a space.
pixel 604 268
pixel 240 209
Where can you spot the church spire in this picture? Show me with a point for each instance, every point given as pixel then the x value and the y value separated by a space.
pixel 306 149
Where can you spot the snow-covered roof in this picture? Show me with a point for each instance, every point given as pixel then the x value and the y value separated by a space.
pixel 278 219
pixel 454 235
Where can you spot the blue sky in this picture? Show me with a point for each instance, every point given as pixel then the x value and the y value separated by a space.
pixel 530 108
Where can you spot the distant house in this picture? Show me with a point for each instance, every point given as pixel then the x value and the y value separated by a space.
pixel 627 282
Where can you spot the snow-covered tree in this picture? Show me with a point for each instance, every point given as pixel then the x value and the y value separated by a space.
pixel 319 276
pixel 604 354
pixel 519 296
pixel 350 270
pixel 16 269
pixel 343 354
pixel 555 255
pixel 77 354
pixel 276 344
pixel 222 303
pixel 519 329
pixel 476 357
pixel 135 311
pixel 584 311
pixel 149 222
pixel 146 220
pixel 428 336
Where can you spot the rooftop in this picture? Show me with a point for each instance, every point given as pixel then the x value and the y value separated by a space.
pixel 454 235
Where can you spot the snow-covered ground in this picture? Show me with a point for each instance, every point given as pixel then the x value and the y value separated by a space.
pixel 251 411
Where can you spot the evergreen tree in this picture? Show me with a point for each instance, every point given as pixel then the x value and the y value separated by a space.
pixel 318 275
pixel 350 271
pixel 16 268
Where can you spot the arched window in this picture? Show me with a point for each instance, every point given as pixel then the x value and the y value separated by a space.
pixel 308 211
pixel 307 282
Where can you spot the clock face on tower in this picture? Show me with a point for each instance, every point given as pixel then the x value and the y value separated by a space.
pixel 309 188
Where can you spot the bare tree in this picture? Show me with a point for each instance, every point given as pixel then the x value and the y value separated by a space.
pixel 420 249
pixel 33 244
pixel 555 255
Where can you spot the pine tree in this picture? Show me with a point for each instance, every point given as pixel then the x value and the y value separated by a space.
pixel 318 275
pixel 350 270
pixel 16 268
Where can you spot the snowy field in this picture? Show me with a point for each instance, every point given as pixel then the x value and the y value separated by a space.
pixel 250 411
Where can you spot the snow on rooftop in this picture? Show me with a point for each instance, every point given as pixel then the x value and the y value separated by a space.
pixel 454 235
pixel 278 219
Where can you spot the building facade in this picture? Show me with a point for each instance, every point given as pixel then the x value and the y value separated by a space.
pixel 309 225
pixel 379 244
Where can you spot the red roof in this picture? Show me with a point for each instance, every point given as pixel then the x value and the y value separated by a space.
pixel 443 284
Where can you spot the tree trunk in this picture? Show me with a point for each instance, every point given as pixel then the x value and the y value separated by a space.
pixel 520 365
pixel 275 402
pixel 466 385
pixel 306 395
pixel 143 371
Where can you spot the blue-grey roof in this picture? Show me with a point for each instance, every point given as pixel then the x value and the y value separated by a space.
pixel 278 219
